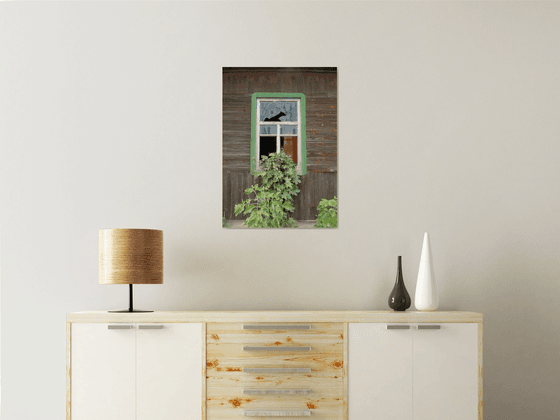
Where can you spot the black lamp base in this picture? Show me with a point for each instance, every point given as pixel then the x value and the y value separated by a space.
pixel 130 308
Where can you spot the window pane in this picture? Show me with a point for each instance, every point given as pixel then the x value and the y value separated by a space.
pixel 268 129
pixel 278 111
pixel 289 145
pixel 267 145
pixel 288 129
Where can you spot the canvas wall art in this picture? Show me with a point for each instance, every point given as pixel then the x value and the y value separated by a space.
pixel 279 146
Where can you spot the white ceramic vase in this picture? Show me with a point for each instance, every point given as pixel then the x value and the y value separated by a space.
pixel 426 297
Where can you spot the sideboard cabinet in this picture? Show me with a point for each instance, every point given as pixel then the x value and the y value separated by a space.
pixel 328 365
pixel 136 371
pixel 429 371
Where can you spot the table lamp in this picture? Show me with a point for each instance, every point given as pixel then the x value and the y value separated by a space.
pixel 130 256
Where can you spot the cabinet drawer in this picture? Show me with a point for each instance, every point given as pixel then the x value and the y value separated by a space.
pixel 274 367
pixel 233 351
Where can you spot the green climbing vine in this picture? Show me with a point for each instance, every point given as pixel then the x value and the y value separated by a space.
pixel 271 201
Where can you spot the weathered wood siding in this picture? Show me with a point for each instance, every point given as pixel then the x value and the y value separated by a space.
pixel 320 88
pixel 314 187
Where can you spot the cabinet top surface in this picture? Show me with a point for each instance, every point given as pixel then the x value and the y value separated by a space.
pixel 276 316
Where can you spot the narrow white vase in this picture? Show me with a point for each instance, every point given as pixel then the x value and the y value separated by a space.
pixel 426 297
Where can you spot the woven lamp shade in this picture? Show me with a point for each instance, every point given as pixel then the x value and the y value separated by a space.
pixel 130 256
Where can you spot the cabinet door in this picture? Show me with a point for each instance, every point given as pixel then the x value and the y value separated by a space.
pixel 379 372
pixel 103 372
pixel 445 373
pixel 169 371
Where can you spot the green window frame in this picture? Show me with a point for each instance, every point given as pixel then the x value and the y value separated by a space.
pixel 301 127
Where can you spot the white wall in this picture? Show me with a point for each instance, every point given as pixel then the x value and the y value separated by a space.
pixel 448 123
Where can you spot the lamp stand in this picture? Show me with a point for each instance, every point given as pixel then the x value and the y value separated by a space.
pixel 130 308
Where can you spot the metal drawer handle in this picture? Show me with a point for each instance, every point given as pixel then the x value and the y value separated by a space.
pixel 275 391
pixel 276 413
pixel 277 370
pixel 276 327
pixel 119 327
pixel 429 327
pixel 398 327
pixel 246 348
pixel 150 327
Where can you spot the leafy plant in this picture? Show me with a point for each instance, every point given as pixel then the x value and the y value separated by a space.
pixel 328 213
pixel 224 223
pixel 272 202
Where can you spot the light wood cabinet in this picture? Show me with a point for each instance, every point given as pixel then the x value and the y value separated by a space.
pixel 330 365
pixel 428 371
pixel 293 369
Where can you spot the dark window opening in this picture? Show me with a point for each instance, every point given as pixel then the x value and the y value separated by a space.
pixel 267 145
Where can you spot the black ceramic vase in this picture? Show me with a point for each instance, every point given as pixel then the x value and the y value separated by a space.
pixel 399 299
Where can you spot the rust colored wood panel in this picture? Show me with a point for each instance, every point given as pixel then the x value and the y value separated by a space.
pixel 290 148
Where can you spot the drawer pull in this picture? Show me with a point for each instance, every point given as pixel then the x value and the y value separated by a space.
pixel 398 327
pixel 277 370
pixel 429 327
pixel 247 348
pixel 275 391
pixel 276 327
pixel 119 327
pixel 150 327
pixel 276 413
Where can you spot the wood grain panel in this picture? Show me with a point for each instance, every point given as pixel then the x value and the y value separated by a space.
pixel 203 402
pixel 68 371
pixel 276 317
pixel 480 373
pixel 345 373
pixel 315 380
pixel 226 379
pixel 314 186
pixel 231 405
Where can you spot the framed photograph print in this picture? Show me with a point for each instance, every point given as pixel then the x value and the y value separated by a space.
pixel 279 147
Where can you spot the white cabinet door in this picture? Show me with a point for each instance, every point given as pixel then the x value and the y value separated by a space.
pixel 445 372
pixel 169 371
pixel 379 372
pixel 103 369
